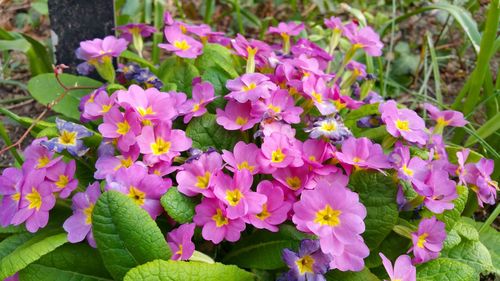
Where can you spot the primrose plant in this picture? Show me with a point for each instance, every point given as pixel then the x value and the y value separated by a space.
pixel 276 159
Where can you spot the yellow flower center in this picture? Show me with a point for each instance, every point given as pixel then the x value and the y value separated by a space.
pixel 251 86
pixel 305 264
pixel 126 163
pixel 421 239
pixel 264 214
pixel 246 166
pixel 160 146
pixel 179 252
pixel 312 158
pixel 233 197
pixel 183 28
pixel 122 127
pixel 442 122
pixel 294 182
pixel 277 156
pixel 183 45
pixel 339 104
pixel 328 126
pixel 16 196
pixel 42 162
pixel 196 107
pixel 252 51
pixel 202 181
pixel 328 216
pixel 105 108
pixel 137 195
pixel 403 125
pixel 219 219
pixel 274 108
pixel 407 171
pixel 241 121
pixel 357 160
pixel 67 138
pixel 62 182
pixel 88 213
pixel 317 97
pixel 35 199
pixel 145 111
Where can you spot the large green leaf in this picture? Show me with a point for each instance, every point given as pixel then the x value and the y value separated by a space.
pixel 28 248
pixel 216 55
pixel 16 45
pixel 364 275
pixel 445 269
pixel 261 250
pixel 160 270
pixel 378 194
pixel 205 132
pixel 45 89
pixel 69 262
pixel 179 72
pixel 125 234
pixel 450 217
pixel 217 77
pixel 178 206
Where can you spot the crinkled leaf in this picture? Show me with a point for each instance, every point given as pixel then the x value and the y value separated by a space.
pixel 178 206
pixel 45 89
pixel 472 253
pixel 216 55
pixel 24 249
pixel 466 231
pixel 364 275
pixel 125 234
pixel 217 77
pixel 205 132
pixel 69 262
pixel 444 269
pixel 452 239
pixel 378 194
pixel 450 217
pixel 160 270
pixel 180 72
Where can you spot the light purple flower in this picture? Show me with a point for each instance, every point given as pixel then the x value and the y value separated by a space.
pixel 198 176
pixel 243 157
pixel 39 157
pixel 11 182
pixel 412 169
pixel 447 117
pixel 98 50
pixel 251 49
pixel 365 38
pixel 286 29
pixel 135 29
pixel 180 242
pixel 62 179
pixel 309 264
pixel 403 269
pixel 98 104
pixel 280 106
pixel 479 176
pixel 403 123
pixel 362 153
pixel 181 44
pixel 335 24
pixel 70 138
pixel 236 116
pixel 122 127
pixel 279 151
pixel 442 189
pixel 250 87
pixel 428 240
pixel 203 94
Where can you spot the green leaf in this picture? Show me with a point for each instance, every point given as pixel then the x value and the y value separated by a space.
pixel 261 250
pixel 31 249
pixel 378 194
pixel 217 77
pixel 69 262
pixel 450 217
pixel 12 229
pixel 466 230
pixel 131 56
pixel 216 55
pixel 487 129
pixel 353 116
pixel 45 89
pixel 125 234
pixel 472 253
pixel 178 206
pixel 364 275
pixel 392 247
pixel 9 244
pixel 180 72
pixel 445 269
pixel 205 132
pixel 160 270
pixel 16 45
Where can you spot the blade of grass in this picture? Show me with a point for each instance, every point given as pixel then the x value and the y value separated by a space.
pixel 239 19
pixel 490 127
pixel 8 141
pixel 435 69
pixel 157 36
pixel 209 10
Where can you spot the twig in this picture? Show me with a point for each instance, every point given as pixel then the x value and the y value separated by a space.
pixel 10 107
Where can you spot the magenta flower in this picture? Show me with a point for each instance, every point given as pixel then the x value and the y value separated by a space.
pixel 211 214
pixel 362 153
pixel 358 69
pixel 135 29
pixel 286 29
pixel 280 106
pixel 479 175
pixel 316 89
pixel 39 157
pixel 411 169
pixel 98 50
pixel 251 49
pixel 236 116
pixel 462 171
pixel 365 38
pixel 98 104
pixel 309 264
pixel 333 213
pixel 35 201
pixel 180 242
pixel 11 182
pixel 447 117
pixel 143 188
pixel 335 24
pixel 79 225
pixel 203 94
pixel 343 101
pixel 109 165
pixel 308 48
pixel 250 87
pixel 295 178
pixel 243 157
pixel 403 123
pixel 149 104
pixel 274 211
pixel 198 176
pixel 62 178
pixel 162 143
pixel 279 151
pixel 124 127
pixel 442 190
pixel 403 269
pixel 236 194
pixel 315 152
pixel 181 44
pixel 428 240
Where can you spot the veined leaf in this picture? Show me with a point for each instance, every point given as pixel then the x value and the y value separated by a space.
pixel 205 133
pixel 178 206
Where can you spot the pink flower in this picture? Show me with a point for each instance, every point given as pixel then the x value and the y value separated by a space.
pixel 334 213
pixel 35 201
pixel 412 169
pixel 403 123
pixel 279 151
pixel 363 153
pixel 144 189
pixel 236 116
pixel 315 152
pixel 180 242
pixel 124 127
pixel 109 165
pixel 180 44
pixel 251 48
pixel 11 182
pixel 203 94
pixel 274 211
pixel 198 176
pixel 98 104
pixel 62 178
pixel 162 143
pixel 236 194
pixel 428 240
pixel 316 89
pixel 39 157
pixel 442 190
pixel 365 38
pixel 343 101
pixel 447 117
pixel 135 29
pixel 403 269
pixel 479 175
pixel 287 29
pixel 250 87
pixel 294 178
pixel 243 157
pixel 280 106
pixel 334 23
pixel 99 49
pixel 211 214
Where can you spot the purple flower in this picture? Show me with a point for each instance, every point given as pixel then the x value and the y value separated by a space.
pixel 428 240
pixel 403 269
pixel 279 151
pixel 62 179
pixel 287 29
pixel 308 48
pixel 308 264
pixel 98 104
pixel 135 29
pixel 365 38
pixel 121 127
pixel 363 153
pixel 442 190
pixel 39 157
pixel 180 242
pixel 331 128
pixel 99 50
pixel 79 225
pixel 198 176
pixel 251 49
pixel 411 169
pixel 280 106
pixel 358 69
pixel 203 94
pixel 11 182
pixel 236 116
pixel 335 24
pixel 447 117
pixel 403 123
pixel 243 157
pixel 180 44
pixel 70 138
pixel 250 87
pixel 479 176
